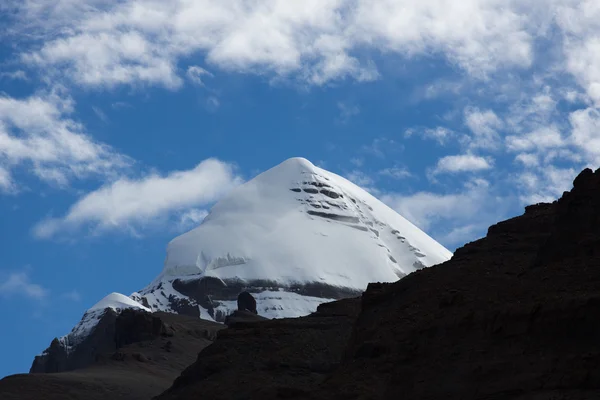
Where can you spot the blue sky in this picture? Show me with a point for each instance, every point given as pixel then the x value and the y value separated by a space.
pixel 122 122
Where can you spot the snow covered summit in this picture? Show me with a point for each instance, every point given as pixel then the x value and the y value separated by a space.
pixel 295 230
pixel 297 223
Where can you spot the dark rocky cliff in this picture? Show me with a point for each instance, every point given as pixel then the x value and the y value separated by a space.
pixel 511 316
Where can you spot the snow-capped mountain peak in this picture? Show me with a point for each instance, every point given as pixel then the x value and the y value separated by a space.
pixel 295 228
pixel 295 236
pixel 299 223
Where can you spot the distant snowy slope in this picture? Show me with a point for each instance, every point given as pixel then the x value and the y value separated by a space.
pixel 115 301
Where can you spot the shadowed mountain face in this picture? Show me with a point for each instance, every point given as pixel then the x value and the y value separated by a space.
pixel 135 355
pixel 511 316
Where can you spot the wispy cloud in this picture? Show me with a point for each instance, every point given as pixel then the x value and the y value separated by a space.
pixel 100 114
pixel 195 73
pixel 453 216
pixel 395 172
pixel 347 111
pixel 37 133
pixel 440 134
pixel 191 218
pixel 126 203
pixel 14 75
pixel 18 284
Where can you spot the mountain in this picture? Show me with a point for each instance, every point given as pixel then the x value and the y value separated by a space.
pixel 510 316
pixel 294 237
pixel 88 338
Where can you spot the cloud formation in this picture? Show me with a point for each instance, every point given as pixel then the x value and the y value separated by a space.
pixel 102 43
pixel 127 203
pixel 462 163
pixel 38 135
pixel 19 284
pixel 455 216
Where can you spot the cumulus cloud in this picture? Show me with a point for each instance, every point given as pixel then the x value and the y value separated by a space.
pixel 586 133
pixel 19 284
pixel 102 44
pixel 37 133
pixel 544 185
pixel 127 203
pixel 541 139
pixel 462 163
pixel 484 124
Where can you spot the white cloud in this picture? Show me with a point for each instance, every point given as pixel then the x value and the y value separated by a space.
pixel 195 74
pixel 528 159
pixel 14 75
pixel 37 134
pixel 541 139
pixel 448 217
pixel 127 203
pixel 19 284
pixel 395 173
pixel 442 87
pixel 586 133
pixel 6 183
pixel 440 134
pixel 191 218
pixel 462 163
pixel 545 185
pixel 102 44
pixel 578 21
pixel 484 125
pixel 360 178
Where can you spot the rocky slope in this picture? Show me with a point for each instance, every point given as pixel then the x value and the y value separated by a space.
pixel 511 316
pixel 133 355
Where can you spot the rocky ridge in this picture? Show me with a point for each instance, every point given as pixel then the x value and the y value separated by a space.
pixel 510 316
